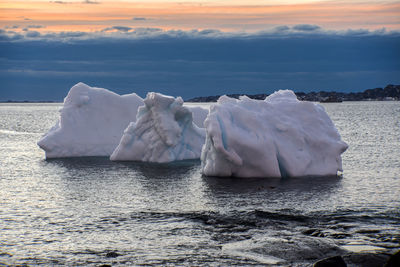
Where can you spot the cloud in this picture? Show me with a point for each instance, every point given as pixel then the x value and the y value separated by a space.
pixel 71 34
pixel 282 28
pixel 306 27
pixel 139 18
pixel 90 2
pixel 60 2
pixel 32 27
pixel 32 34
pixel 117 28
pixel 126 33
pixel 147 31
pixel 195 62
pixel 64 36
pixel 12 27
pixel 359 32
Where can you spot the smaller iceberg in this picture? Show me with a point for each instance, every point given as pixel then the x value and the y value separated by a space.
pixel 91 122
pixel 277 137
pixel 163 132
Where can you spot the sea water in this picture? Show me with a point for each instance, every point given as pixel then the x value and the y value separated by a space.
pixel 91 211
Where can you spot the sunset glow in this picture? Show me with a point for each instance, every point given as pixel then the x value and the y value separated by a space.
pixel 250 16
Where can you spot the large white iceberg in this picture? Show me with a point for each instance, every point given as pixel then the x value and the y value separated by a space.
pixel 277 137
pixel 91 122
pixel 164 131
pixel 199 115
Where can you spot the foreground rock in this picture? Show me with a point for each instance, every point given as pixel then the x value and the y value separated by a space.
pixel 394 260
pixel 112 254
pixel 336 261
pixel 278 137
pixel 163 132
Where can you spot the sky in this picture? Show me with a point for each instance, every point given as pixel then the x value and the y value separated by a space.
pixel 196 48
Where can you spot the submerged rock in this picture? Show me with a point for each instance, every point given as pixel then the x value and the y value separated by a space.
pixel 336 261
pixel 112 254
pixel 314 232
pixel 366 259
pixel 394 260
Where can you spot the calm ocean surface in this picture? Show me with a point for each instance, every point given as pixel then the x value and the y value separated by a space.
pixel 76 211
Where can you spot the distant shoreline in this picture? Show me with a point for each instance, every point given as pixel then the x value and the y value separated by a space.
pixel 388 93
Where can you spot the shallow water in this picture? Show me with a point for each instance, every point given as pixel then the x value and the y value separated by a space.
pixel 75 211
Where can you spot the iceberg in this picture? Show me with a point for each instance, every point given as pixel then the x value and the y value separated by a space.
pixel 163 132
pixel 199 115
pixel 91 122
pixel 276 137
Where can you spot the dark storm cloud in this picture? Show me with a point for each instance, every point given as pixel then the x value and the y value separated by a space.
pixel 193 63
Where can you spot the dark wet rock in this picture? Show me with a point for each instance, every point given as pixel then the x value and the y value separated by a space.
pixel 343 226
pixel 105 265
pixel 339 235
pixel 112 254
pixel 281 216
pixel 314 232
pixel 394 260
pixel 367 259
pixel 295 248
pixel 336 261
pixel 388 237
pixel 368 231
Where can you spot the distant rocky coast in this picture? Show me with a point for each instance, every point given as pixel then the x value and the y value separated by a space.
pixel 390 92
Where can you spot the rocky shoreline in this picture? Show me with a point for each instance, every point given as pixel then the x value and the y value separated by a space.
pixel 390 92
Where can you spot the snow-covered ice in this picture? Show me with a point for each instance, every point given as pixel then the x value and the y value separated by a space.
pixel 199 115
pixel 277 137
pixel 164 131
pixel 91 122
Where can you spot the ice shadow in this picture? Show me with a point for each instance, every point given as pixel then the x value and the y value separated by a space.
pixel 103 165
pixel 80 162
pixel 154 171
